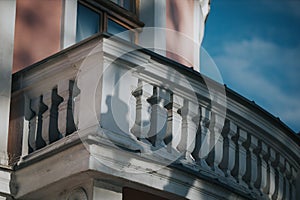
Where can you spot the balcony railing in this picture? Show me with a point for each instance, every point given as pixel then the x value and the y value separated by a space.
pixel 156 109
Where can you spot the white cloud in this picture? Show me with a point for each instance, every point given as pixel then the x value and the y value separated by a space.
pixel 266 73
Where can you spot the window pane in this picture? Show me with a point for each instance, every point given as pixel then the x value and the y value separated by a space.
pixel 88 22
pixel 124 3
pixel 115 28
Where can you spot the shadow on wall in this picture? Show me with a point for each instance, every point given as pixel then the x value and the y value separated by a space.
pixel 115 117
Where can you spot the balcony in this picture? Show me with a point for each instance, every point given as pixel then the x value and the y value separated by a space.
pixel 107 111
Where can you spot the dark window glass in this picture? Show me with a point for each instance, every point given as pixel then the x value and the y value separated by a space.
pixel 127 4
pixel 88 22
pixel 132 194
pixel 115 28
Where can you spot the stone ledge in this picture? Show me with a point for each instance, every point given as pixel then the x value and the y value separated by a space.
pixel 5 176
pixel 45 168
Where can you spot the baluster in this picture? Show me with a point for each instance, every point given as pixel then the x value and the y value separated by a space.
pixel 50 116
pixel 54 120
pixel 174 124
pixel 265 187
pixel 239 169
pixel 159 116
pixel 251 165
pixel 293 183
pixel 28 114
pixel 33 124
pixel 46 103
pixel 63 90
pixel 187 143
pixel 216 144
pixel 227 164
pixel 66 124
pixel 287 177
pixel 279 177
pixel 254 150
pixel 271 182
pixel 202 139
pixel 75 102
pixel 40 143
pixel 261 181
pixel 142 120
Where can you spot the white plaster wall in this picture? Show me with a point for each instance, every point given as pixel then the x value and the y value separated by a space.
pixel 153 14
pixel 4 183
pixel 69 23
pixel 7 24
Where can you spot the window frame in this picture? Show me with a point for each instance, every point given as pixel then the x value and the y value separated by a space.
pixel 101 16
pixel 131 19
pixel 110 10
pixel 132 5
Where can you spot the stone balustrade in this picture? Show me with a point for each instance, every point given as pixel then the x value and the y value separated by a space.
pixel 166 112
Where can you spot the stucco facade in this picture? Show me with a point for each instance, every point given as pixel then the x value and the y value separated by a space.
pixel 113 118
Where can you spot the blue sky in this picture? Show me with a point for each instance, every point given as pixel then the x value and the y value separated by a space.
pixel 256 47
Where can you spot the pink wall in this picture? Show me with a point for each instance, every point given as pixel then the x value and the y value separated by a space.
pixel 180 18
pixel 37 31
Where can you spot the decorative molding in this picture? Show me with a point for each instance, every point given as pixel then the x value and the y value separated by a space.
pixel 78 193
pixel 246 127
pixel 4 182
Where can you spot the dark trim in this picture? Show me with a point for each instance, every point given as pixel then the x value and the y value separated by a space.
pixel 275 121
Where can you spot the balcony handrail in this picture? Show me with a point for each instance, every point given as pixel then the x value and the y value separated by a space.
pixel 173 117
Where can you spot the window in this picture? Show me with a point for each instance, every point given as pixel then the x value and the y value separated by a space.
pixel 88 22
pixel 115 28
pixel 127 4
pixel 107 16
